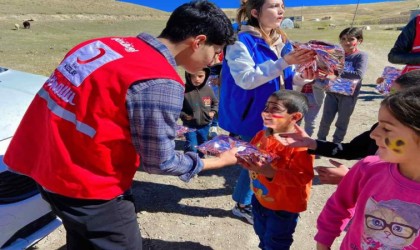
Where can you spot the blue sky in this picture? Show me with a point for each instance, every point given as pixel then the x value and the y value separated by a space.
pixel 170 5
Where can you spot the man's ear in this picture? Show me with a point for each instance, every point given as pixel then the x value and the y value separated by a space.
pixel 199 41
pixel 297 116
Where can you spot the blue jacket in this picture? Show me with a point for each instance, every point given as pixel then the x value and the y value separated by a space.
pixel 240 109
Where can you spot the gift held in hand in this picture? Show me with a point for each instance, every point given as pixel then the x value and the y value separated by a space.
pixel 329 62
pixel 222 143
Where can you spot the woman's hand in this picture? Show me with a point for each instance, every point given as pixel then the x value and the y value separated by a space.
pixel 300 56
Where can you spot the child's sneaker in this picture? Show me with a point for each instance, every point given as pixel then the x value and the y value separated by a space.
pixel 213 132
pixel 244 212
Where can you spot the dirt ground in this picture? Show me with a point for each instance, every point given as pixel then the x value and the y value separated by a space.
pixel 197 215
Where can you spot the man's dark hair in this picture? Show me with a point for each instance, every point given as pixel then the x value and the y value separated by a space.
pixel 409 79
pixel 199 18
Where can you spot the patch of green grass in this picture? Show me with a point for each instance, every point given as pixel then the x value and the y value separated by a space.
pixel 60 25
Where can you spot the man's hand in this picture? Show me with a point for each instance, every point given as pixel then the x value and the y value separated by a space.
pixel 228 157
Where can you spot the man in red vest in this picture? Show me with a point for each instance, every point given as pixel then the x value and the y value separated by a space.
pixel 406 49
pixel 112 103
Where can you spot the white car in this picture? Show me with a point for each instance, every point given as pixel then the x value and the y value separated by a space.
pixel 25 218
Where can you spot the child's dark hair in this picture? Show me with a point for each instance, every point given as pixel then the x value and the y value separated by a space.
pixel 293 101
pixel 199 18
pixel 352 32
pixel 405 107
pixel 409 79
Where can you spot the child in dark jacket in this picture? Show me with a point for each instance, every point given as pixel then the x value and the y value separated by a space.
pixel 199 108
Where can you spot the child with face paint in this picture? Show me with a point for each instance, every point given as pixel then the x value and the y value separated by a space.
pixel 282 187
pixel 381 193
pixel 343 105
pixel 359 147
pixel 259 63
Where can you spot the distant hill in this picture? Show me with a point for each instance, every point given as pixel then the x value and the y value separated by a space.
pixel 376 13
pixel 367 14
pixel 97 9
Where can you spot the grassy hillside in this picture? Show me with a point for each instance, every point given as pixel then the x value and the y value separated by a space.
pixel 342 15
pixel 59 25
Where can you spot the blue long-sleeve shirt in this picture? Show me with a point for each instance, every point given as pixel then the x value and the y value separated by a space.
pixel 153 108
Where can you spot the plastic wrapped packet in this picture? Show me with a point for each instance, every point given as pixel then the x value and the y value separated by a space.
pixel 248 152
pixel 219 144
pixel 387 78
pixel 181 130
pixel 329 62
pixel 342 86
pixel 222 143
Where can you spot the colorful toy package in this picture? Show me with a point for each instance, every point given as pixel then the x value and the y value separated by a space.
pixel 181 130
pixel 342 86
pixel 222 143
pixel 219 144
pixel 329 62
pixel 248 152
pixel 385 81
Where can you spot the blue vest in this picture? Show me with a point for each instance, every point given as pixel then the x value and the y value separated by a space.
pixel 240 109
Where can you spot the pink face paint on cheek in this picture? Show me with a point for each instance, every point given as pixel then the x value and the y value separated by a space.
pixel 277 116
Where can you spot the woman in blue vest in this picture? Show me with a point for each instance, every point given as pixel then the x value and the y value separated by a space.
pixel 258 64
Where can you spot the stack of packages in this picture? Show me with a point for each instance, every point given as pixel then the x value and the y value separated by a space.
pixel 246 151
pixel 385 81
pixel 329 64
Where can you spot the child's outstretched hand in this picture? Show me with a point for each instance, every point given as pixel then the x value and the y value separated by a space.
pixel 188 117
pixel 320 246
pixel 380 80
pixel 329 175
pixel 309 73
pixel 256 164
pixel 211 114
pixel 297 139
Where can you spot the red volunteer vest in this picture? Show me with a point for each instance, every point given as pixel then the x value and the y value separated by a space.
pixel 74 139
pixel 416 47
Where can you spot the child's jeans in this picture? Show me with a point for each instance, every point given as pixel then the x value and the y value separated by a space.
pixel 242 193
pixel 336 104
pixel 195 138
pixel 274 228
pixel 315 99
